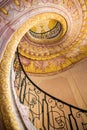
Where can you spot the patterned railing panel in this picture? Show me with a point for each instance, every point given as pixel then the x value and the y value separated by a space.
pixel 45 111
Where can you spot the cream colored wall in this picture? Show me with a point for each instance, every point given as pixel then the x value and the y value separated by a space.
pixel 69 86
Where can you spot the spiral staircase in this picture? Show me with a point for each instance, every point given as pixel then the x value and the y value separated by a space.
pixel 42 51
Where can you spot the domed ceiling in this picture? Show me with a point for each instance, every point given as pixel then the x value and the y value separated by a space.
pixel 56 41
pixel 52 37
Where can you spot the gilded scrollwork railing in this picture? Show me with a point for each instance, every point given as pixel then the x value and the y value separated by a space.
pixel 45 111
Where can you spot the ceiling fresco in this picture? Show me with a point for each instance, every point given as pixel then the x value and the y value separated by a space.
pixel 49 36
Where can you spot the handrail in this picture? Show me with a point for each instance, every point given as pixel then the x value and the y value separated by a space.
pixel 46 112
pixel 46 92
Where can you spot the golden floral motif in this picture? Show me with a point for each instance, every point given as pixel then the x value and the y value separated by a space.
pixel 9 117
pixel 6 108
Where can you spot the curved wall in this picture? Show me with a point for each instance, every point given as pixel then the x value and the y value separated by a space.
pixel 14 23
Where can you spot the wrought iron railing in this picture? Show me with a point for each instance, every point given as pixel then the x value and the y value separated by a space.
pixel 45 111
pixel 49 34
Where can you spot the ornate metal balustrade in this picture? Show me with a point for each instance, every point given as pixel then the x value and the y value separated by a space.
pixel 45 111
pixel 49 34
